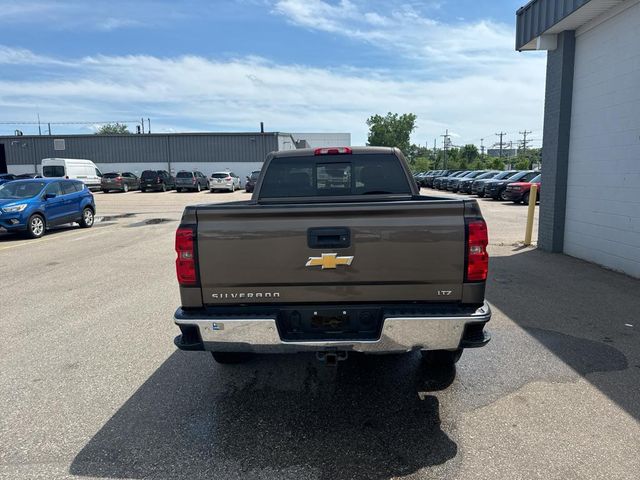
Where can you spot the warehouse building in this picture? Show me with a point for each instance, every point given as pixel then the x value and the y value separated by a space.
pixel 590 207
pixel 240 153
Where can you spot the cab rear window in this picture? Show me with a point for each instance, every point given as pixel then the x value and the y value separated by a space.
pixel 340 175
pixel 184 175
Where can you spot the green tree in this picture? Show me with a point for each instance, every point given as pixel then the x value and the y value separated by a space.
pixel 469 153
pixel 421 164
pixel 113 129
pixel 392 130
pixel 522 163
pixel 495 163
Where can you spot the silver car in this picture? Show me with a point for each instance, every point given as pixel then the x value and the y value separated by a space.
pixel 224 181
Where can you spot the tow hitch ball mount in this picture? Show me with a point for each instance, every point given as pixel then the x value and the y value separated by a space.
pixel 331 359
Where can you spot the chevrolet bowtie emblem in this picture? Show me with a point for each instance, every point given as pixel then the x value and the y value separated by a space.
pixel 328 260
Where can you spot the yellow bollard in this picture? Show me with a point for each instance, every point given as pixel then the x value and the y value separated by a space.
pixel 533 195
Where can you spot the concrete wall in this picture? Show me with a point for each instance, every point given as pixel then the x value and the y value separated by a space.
pixel 602 220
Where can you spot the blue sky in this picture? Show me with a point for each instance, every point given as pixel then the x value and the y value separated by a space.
pixel 297 65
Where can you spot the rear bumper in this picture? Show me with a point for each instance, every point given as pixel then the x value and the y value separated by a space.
pixel 514 195
pixel 202 331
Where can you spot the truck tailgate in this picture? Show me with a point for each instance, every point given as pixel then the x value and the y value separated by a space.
pixel 402 251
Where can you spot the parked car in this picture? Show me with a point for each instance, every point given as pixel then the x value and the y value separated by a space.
pixel 250 184
pixel 73 168
pixel 6 177
pixel 158 180
pixel 519 191
pixel 121 181
pixel 477 186
pixel 224 181
pixel 32 206
pixel 454 184
pixel 429 179
pixel 191 180
pixel 443 182
pixel 466 183
pixel 24 176
pixel 496 188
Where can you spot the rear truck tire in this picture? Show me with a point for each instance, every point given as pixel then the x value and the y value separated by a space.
pixel 178 190
pixel 233 187
pixel 480 194
pixel 516 201
pixel 441 357
pixel 125 188
pixel 230 358
pixel 87 219
pixel 503 195
pixel 525 198
pixel 36 226
pixel 198 188
pixel 105 191
pixel 143 190
pixel 164 187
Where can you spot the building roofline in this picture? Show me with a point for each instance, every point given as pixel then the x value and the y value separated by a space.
pixel 129 135
pixel 549 17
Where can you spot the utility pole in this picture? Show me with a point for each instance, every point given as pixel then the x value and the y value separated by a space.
pixel 501 134
pixel 445 144
pixel 39 130
pixel 481 147
pixel 524 145
pixel 148 125
pixel 524 139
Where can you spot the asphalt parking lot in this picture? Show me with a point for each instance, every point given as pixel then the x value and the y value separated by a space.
pixel 92 386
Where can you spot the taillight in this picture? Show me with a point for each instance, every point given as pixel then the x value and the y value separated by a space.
pixel 477 256
pixel 332 151
pixel 228 178
pixel 186 262
pixel 118 179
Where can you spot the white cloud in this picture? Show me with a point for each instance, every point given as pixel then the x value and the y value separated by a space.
pixel 197 93
pixel 405 31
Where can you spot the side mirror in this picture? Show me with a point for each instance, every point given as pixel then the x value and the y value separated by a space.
pixel 47 196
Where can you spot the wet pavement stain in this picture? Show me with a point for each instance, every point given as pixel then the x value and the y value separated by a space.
pixel 151 221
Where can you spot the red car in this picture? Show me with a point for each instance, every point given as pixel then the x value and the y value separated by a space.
pixel 519 191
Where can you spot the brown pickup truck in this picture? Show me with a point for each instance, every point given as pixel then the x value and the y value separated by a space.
pixel 336 251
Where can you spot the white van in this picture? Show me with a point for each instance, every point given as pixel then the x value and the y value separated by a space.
pixel 74 168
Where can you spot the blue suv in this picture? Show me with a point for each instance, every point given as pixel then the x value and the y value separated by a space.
pixel 32 206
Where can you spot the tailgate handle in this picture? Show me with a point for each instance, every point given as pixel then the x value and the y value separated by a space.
pixel 329 237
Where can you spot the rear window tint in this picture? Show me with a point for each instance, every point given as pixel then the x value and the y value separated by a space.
pixel 149 174
pixel 68 187
pixel 220 175
pixel 111 175
pixel 184 175
pixel 364 174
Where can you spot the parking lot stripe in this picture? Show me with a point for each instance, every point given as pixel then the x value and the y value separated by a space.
pixel 45 239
